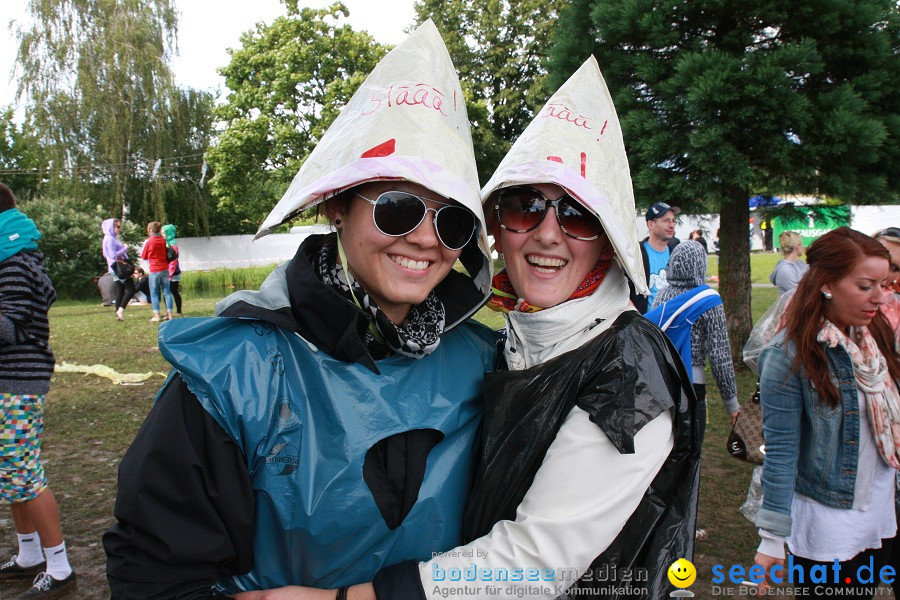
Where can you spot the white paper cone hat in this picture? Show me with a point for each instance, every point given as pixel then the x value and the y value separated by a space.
pixel 407 121
pixel 575 141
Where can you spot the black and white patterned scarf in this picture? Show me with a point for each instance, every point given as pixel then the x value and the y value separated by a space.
pixel 416 337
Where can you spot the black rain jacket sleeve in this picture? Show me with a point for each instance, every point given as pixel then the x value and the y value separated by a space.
pixel 184 507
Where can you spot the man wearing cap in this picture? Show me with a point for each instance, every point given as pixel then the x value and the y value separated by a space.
pixel 656 248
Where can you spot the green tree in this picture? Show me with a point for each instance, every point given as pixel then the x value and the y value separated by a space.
pixel 499 48
pixel 288 82
pixel 172 191
pixel 20 157
pixel 723 100
pixel 71 243
pixel 101 99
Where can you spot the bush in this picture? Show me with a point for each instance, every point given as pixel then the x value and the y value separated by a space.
pixel 223 281
pixel 70 243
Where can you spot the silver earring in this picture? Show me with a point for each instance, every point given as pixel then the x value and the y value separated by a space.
pixel 828 295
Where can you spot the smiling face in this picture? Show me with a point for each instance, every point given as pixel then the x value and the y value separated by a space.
pixel 682 573
pixel 857 296
pixel 396 272
pixel 545 265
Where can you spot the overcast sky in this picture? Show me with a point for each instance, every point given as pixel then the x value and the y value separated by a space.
pixel 208 27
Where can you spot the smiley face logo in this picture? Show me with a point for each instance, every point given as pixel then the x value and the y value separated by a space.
pixel 682 573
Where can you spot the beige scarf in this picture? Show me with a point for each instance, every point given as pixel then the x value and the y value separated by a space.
pixel 875 382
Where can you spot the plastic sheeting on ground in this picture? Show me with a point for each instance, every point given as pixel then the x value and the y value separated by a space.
pixel 108 372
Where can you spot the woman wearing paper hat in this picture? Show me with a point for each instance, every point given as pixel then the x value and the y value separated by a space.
pixel 590 466
pixel 291 443
pixel 598 471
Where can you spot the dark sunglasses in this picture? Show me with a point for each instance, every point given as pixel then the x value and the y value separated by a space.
pixel 399 213
pixel 890 232
pixel 521 209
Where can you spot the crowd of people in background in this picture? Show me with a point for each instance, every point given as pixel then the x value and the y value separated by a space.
pixel 161 283
pixel 828 387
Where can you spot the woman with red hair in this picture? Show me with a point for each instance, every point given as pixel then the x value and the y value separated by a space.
pixel 831 418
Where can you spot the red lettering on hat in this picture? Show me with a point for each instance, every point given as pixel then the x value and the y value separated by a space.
pixel 564 113
pixel 374 100
pixel 383 149
pixel 583 163
pixel 419 94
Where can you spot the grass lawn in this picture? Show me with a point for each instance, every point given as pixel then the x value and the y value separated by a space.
pixel 89 423
pixel 761 265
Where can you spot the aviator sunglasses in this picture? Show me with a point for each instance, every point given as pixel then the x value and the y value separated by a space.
pixel 891 234
pixel 521 209
pixel 398 213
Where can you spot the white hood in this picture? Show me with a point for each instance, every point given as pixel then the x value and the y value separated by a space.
pixel 575 141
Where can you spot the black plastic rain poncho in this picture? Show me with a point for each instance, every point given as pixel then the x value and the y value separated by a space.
pixel 623 378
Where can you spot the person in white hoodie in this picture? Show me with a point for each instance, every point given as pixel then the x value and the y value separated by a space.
pixel 589 473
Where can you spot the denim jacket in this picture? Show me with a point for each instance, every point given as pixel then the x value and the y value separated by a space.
pixel 811 448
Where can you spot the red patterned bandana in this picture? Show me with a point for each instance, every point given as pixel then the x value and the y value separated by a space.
pixel 505 299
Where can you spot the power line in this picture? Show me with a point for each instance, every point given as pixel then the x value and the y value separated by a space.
pixel 126 167
pixel 116 167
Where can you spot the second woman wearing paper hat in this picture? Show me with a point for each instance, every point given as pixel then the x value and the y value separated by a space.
pixel 325 429
pixel 590 448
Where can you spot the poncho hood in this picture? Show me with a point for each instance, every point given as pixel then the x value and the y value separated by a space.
pixel 17 233
pixel 575 141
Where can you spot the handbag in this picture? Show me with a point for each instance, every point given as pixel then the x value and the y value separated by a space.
pixel 746 439
pixel 171 253
pixel 123 269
